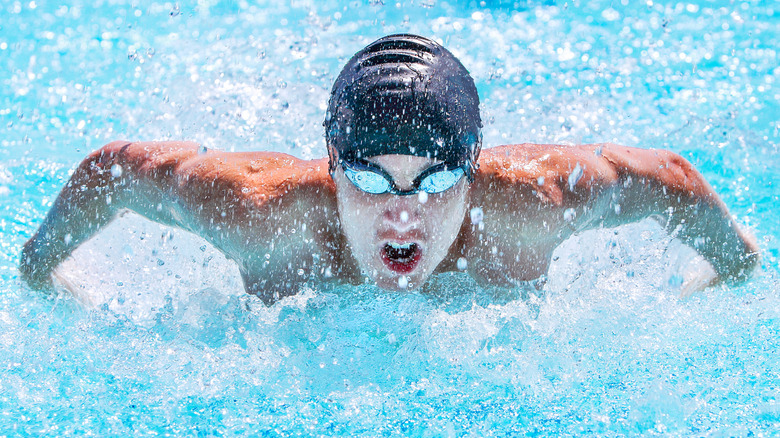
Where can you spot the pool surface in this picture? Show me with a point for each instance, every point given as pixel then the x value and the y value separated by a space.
pixel 162 340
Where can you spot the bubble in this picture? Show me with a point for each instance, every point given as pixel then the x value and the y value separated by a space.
pixel 462 264
pixel 403 282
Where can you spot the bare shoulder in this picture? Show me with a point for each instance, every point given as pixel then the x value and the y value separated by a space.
pixel 552 174
pixel 262 177
pixel 259 178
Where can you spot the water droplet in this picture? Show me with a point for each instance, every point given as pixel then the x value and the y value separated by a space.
pixel 202 149
pixel 175 10
pixel 476 215
pixel 462 264
pixel 422 197
pixel 116 171
pixel 540 180
pixel 404 216
pixel 68 238
pixel 403 282
pixel 617 208
pixel 569 214
pixel 575 176
pixel 610 14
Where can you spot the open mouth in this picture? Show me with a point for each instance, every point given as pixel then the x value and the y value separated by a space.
pixel 401 258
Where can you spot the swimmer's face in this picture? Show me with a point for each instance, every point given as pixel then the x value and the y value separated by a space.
pixel 400 240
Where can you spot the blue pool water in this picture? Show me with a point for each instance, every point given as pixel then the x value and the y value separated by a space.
pixel 168 343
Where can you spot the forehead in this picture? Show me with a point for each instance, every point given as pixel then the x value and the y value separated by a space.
pixel 403 165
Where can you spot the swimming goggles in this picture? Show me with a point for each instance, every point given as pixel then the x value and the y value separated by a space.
pixel 371 178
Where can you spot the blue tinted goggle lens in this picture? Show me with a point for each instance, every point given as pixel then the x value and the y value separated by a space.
pixel 373 179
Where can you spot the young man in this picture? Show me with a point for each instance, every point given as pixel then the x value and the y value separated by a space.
pixel 403 195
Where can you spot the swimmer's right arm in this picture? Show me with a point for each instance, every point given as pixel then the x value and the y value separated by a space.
pixel 227 198
pixel 96 192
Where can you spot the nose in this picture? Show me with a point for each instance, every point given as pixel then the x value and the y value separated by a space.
pixel 402 212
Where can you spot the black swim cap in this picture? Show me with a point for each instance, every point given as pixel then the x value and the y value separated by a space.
pixel 404 94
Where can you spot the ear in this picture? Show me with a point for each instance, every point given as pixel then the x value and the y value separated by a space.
pixel 333 160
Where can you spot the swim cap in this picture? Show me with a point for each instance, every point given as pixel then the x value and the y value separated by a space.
pixel 404 94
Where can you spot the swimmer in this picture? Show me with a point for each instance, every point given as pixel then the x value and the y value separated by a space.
pixel 404 193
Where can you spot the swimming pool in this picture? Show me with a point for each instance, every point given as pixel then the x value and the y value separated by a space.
pixel 171 344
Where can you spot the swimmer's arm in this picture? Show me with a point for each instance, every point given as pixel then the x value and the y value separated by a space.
pixel 658 182
pixel 246 204
pixel 120 175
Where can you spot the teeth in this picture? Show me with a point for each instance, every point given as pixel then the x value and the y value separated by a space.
pixel 397 245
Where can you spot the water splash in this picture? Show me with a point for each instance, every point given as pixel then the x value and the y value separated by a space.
pixel 604 346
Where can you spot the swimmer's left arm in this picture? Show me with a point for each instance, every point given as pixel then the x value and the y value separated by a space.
pixel 604 185
pixel 658 182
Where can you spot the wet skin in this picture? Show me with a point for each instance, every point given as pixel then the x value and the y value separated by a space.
pixel 286 222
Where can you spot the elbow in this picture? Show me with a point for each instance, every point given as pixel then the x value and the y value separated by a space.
pixel 676 162
pixel 679 175
pixel 101 168
pixel 109 152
